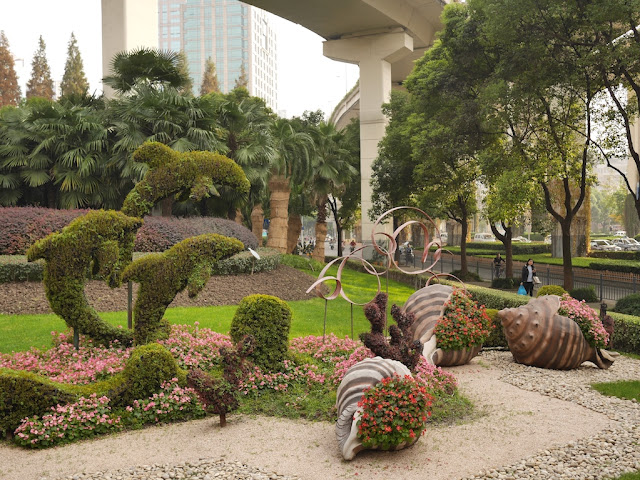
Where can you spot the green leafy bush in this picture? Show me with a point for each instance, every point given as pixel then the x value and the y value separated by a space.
pixel 15 268
pixel 551 290
pixel 464 324
pixel 629 305
pixel 24 394
pixel 163 275
pixel 505 283
pixel 147 369
pixel 626 334
pixel 496 337
pixel 467 277
pixel 244 262
pixel 267 319
pixel 588 294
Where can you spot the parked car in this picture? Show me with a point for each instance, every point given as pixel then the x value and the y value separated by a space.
pixel 604 245
pixel 620 233
pixel 627 243
pixel 547 239
pixel 521 239
pixel 484 237
pixel 444 237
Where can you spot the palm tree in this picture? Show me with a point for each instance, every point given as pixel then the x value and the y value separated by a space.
pixel 147 66
pixel 331 169
pixel 292 162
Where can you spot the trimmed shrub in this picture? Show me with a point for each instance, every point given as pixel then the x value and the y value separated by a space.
pixel 244 262
pixel 100 239
pixel 468 277
pixel 147 369
pixel 626 334
pixel 25 394
pixel 629 305
pixel 15 268
pixel 624 255
pixel 615 267
pixel 588 294
pixel 551 290
pixel 163 275
pixel 505 283
pixel 267 319
pixel 490 248
pixel 496 337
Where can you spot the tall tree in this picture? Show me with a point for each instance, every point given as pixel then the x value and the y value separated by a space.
pixel 146 66
pixel 9 88
pixel 210 82
pixel 40 84
pixel 243 79
pixel 183 68
pixel 74 81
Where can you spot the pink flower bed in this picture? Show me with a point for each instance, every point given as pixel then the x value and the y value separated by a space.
pixel 196 347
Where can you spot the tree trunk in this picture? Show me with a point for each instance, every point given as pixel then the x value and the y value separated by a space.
pixel 278 227
pixel 223 419
pixel 239 217
pixel 166 206
pixel 321 231
pixel 295 227
pixel 508 247
pixel 567 267
pixel 463 246
pixel 257 220
pixel 333 204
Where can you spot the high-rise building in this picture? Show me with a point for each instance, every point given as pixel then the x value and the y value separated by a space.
pixel 233 34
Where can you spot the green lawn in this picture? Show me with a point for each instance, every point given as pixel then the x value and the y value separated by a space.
pixel 627 389
pixel 21 332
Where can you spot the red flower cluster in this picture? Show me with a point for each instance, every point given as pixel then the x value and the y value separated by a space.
pixel 464 323
pixel 394 411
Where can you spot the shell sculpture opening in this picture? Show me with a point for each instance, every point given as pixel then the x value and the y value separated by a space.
pixel 538 336
pixel 427 306
pixel 366 373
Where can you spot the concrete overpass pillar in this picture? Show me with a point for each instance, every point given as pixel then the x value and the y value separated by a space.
pixel 374 55
pixel 127 24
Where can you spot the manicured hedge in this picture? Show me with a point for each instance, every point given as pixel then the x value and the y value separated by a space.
pixel 616 255
pixel 482 248
pixel 626 333
pixel 20 227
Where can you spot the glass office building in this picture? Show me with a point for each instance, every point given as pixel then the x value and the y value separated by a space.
pixel 231 33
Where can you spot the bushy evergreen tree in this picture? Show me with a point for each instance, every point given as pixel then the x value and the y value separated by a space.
pixel 183 67
pixel 210 78
pixel 9 89
pixel 243 79
pixel 40 84
pixel 74 81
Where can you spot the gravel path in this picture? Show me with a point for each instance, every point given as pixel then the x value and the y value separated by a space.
pixel 534 424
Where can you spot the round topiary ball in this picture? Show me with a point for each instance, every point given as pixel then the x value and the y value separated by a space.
pixel 268 320
pixel 148 367
pixel 551 290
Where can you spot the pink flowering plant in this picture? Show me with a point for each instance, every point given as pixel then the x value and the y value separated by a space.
pixel 586 318
pixel 83 419
pixel 394 411
pixel 464 324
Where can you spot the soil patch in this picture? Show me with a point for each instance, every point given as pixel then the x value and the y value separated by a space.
pixel 17 298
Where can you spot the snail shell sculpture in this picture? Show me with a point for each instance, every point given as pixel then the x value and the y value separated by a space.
pixel 427 305
pixel 362 375
pixel 539 337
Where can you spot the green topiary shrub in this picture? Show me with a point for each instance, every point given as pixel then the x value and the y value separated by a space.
pixel 102 240
pixel 588 294
pixel 163 275
pixel 505 283
pixel 496 337
pixel 626 335
pixel 147 369
pixel 629 305
pixel 268 320
pixel 551 290
pixel 468 277
pixel 25 394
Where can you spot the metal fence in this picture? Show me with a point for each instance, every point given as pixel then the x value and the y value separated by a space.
pixel 607 285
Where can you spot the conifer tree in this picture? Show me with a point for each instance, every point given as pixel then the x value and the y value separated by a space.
pixel 9 88
pixel 183 69
pixel 242 80
pixel 210 78
pixel 40 84
pixel 74 81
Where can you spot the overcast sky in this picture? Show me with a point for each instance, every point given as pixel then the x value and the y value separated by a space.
pixel 306 79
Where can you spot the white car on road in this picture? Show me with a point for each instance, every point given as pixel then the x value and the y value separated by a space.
pixel 604 245
pixel 627 243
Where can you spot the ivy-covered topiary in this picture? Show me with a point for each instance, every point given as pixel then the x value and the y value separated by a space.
pixel 267 319
pixel 101 240
pixel 163 275
pixel 146 370
pixel 401 346
pixel 551 290
pixel 25 394
pixel 171 173
pixel 220 395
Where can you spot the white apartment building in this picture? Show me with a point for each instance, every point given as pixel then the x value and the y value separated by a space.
pixel 231 33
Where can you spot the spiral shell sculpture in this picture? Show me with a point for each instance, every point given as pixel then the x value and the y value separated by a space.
pixel 362 375
pixel 539 337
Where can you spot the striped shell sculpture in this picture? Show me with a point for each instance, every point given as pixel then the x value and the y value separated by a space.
pixel 538 336
pixel 362 375
pixel 427 305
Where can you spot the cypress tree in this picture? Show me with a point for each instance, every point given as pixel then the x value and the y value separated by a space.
pixel 242 80
pixel 40 84
pixel 183 68
pixel 74 81
pixel 9 89
pixel 210 78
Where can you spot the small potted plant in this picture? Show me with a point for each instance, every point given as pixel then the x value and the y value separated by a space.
pixel 393 413
pixel 461 330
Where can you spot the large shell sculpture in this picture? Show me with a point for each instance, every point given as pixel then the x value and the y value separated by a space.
pixel 538 336
pixel 427 305
pixel 362 375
